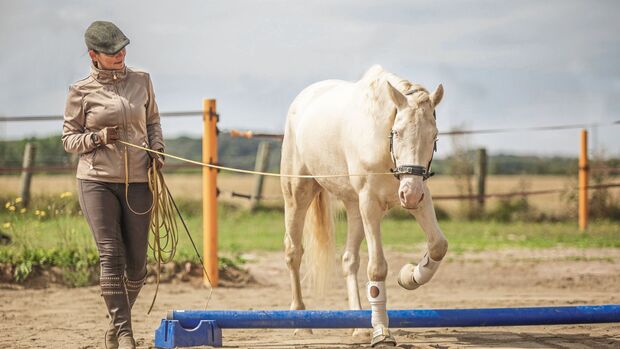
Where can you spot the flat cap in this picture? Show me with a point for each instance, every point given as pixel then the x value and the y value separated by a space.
pixel 105 37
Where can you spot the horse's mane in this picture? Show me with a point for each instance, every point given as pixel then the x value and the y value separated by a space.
pixel 374 80
pixel 377 75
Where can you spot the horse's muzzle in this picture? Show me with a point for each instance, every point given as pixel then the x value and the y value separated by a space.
pixel 411 193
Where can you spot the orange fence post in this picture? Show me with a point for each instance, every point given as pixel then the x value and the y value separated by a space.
pixel 583 182
pixel 209 191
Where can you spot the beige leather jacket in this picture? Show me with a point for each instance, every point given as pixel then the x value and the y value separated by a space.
pixel 108 98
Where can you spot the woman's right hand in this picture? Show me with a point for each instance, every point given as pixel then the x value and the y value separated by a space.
pixel 108 135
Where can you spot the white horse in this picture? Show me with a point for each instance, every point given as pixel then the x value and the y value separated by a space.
pixel 378 123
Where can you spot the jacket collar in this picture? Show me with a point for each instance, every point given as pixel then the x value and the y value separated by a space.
pixel 108 76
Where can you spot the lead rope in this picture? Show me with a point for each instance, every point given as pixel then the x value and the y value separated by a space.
pixel 224 168
pixel 162 219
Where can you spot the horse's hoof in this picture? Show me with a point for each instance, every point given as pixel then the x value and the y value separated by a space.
pixel 405 277
pixel 362 333
pixel 303 332
pixel 382 341
pixel 382 338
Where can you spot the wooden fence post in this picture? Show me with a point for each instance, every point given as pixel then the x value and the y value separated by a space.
pixel 583 182
pixel 262 163
pixel 209 191
pixel 29 154
pixel 481 176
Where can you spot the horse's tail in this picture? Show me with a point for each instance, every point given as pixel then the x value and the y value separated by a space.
pixel 320 242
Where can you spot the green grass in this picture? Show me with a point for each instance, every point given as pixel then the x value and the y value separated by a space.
pixel 241 231
pixel 61 237
pixel 484 235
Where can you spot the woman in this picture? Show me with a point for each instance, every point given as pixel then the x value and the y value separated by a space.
pixel 114 103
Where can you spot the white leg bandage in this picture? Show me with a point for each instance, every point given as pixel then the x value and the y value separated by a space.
pixel 377 298
pixel 412 277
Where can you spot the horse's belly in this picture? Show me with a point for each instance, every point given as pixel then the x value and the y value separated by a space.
pixel 341 188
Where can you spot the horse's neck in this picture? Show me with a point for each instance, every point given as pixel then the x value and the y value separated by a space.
pixel 402 85
pixel 377 111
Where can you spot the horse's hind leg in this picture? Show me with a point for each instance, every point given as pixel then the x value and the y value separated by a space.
pixel 351 258
pixel 298 194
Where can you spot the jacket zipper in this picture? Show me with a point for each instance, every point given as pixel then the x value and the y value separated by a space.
pixel 126 150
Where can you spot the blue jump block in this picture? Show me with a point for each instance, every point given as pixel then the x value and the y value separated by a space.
pixel 171 334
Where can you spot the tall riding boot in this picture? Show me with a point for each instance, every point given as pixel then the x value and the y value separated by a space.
pixel 115 296
pixel 133 289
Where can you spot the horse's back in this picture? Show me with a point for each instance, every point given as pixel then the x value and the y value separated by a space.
pixel 312 95
pixel 338 127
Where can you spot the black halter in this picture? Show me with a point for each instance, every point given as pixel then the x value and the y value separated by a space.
pixel 411 170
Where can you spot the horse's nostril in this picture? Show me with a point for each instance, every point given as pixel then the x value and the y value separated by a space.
pixel 402 196
pixel 421 198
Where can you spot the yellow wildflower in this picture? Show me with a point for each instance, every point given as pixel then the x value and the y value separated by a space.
pixel 23 210
pixel 18 200
pixel 66 194
pixel 12 208
pixel 37 212
pixel 43 213
pixel 6 225
pixel 8 204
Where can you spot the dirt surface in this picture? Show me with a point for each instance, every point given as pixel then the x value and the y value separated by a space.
pixel 58 317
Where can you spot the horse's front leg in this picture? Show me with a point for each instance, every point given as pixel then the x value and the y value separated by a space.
pixel 413 276
pixel 372 211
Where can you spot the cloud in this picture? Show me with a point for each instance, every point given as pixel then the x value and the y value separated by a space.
pixel 502 63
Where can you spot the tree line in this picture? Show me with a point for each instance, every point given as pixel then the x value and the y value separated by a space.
pixel 241 153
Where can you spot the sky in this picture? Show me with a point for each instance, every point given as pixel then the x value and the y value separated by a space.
pixel 503 64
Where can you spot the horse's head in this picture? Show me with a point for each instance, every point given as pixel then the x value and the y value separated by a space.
pixel 413 140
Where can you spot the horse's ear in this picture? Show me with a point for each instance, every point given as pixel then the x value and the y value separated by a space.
pixel 398 98
pixel 437 95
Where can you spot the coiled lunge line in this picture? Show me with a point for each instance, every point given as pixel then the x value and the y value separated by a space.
pixel 163 224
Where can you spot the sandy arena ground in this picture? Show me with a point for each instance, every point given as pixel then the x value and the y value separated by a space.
pixel 58 317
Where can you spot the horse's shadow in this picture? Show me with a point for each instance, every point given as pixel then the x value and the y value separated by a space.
pixel 502 339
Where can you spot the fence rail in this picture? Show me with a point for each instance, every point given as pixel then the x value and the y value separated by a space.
pixel 70 168
pixel 67 168
pixel 254 134
pixel 234 194
pixel 30 118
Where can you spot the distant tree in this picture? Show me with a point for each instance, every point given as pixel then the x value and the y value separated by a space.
pixel 241 153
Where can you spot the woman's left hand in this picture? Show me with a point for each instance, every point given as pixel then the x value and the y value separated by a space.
pixel 159 159
pixel 159 162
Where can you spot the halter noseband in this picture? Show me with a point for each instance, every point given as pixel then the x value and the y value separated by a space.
pixel 411 170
